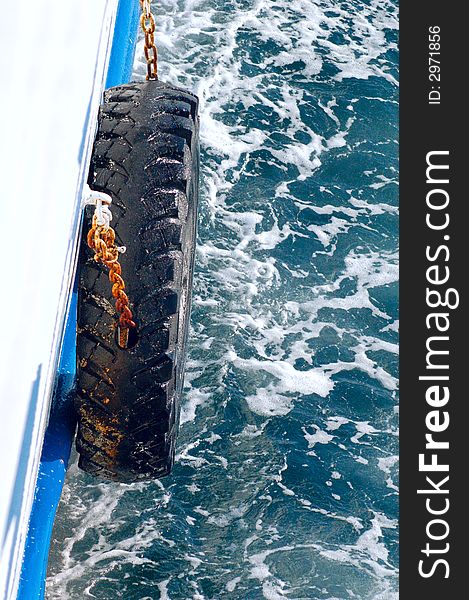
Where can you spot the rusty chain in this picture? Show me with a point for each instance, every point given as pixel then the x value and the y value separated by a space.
pixel 101 239
pixel 147 23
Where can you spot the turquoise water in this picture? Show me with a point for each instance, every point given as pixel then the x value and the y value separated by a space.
pixel 285 484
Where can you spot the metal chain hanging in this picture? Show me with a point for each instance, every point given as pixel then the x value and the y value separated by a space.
pixel 147 23
pixel 101 238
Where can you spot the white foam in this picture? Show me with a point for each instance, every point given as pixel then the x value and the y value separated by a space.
pixel 277 398
pixel 267 402
pixel 363 428
pixel 194 398
pixel 232 583
pixel 369 549
pixel 163 589
pixel 334 423
pixel 387 462
pixel 319 437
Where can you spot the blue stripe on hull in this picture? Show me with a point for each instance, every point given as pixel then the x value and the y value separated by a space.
pixel 60 430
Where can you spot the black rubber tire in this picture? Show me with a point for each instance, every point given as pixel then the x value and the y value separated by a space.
pixel 146 156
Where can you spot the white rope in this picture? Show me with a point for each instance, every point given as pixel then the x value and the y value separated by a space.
pixel 102 202
pixel 146 6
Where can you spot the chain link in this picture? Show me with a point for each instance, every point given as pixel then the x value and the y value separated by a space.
pixel 147 23
pixel 101 239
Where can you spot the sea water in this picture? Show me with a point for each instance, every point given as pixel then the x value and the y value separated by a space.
pixel 285 482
